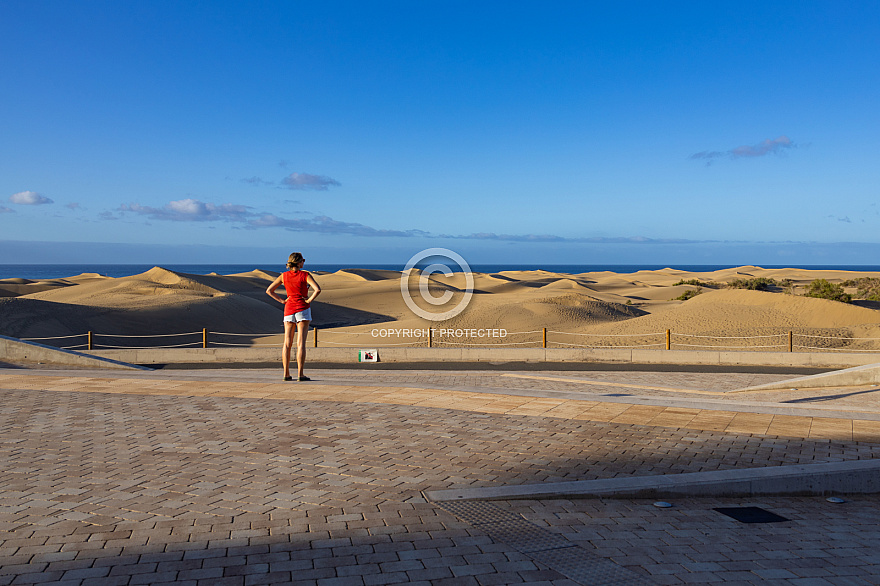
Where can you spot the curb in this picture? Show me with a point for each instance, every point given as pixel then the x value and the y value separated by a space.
pixel 868 374
pixel 854 477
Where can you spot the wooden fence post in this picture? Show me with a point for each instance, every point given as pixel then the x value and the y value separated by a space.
pixel 204 337
pixel 545 338
pixel 790 341
pixel 430 341
pixel 668 339
pixel 316 337
pixel 90 340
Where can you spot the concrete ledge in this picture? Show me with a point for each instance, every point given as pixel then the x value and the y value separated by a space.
pixel 16 351
pixel 868 374
pixel 496 355
pixel 857 477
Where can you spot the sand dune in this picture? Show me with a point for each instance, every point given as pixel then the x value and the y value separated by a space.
pixel 600 308
pixel 741 313
pixel 17 287
pixel 155 303
pixel 368 274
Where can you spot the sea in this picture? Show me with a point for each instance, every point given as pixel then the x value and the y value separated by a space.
pixel 50 271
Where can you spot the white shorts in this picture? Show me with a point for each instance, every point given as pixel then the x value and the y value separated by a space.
pixel 304 315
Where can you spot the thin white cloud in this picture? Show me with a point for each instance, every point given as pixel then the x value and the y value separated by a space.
pixel 312 182
pixel 191 210
pixel 6 210
pixel 257 181
pixel 29 198
pixel 73 206
pixel 327 225
pixel 765 147
pixel 567 239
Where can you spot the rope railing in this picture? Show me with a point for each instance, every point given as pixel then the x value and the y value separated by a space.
pixel 834 337
pixel 144 335
pixel 484 345
pixel 472 337
pixel 622 347
pixel 827 349
pixel 108 346
pixel 55 337
pixel 383 344
pixel 730 337
pixel 607 335
pixel 247 345
pixel 346 333
pixel 252 335
pixel 730 347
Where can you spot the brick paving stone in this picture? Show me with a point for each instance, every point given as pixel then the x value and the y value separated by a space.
pixel 231 581
pixel 325 483
pixel 111 581
pixel 344 581
pixel 499 578
pixel 200 573
pixel 270 578
pixel 83 573
pixel 386 578
pixel 40 578
pixel 430 573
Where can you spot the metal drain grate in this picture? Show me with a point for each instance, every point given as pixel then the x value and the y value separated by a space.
pixel 548 548
pixel 751 515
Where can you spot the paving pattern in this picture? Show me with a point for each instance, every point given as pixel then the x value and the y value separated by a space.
pixel 233 477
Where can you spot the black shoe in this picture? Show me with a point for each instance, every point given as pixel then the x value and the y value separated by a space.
pixel 302 378
pixel 288 378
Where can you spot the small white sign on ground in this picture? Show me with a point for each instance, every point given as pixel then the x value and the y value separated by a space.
pixel 368 356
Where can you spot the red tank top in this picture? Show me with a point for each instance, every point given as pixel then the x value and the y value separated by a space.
pixel 297 288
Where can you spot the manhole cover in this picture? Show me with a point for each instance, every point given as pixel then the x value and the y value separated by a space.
pixel 751 514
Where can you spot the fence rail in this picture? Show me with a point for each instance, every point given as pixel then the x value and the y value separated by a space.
pixel 431 337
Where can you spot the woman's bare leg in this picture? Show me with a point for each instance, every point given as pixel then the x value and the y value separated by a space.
pixel 302 333
pixel 289 330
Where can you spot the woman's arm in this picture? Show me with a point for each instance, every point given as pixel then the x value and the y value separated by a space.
pixel 270 291
pixel 316 289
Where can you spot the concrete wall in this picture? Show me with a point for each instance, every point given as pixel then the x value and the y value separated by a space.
pixel 501 355
pixel 15 351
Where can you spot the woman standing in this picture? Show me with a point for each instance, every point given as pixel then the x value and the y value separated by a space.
pixel 297 311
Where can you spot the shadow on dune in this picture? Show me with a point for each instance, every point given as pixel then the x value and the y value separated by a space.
pixel 328 315
pixel 162 325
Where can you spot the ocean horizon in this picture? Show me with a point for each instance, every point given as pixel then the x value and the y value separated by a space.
pixel 60 271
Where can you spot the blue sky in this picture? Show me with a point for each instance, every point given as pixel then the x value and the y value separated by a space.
pixel 364 132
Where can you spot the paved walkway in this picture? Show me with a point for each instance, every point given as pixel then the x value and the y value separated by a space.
pixel 233 477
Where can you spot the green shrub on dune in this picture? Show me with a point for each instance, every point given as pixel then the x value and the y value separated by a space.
pixel 754 284
pixel 688 294
pixel 866 288
pixel 823 289
pixel 698 283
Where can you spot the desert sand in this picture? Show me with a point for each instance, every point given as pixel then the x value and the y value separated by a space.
pixel 356 305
